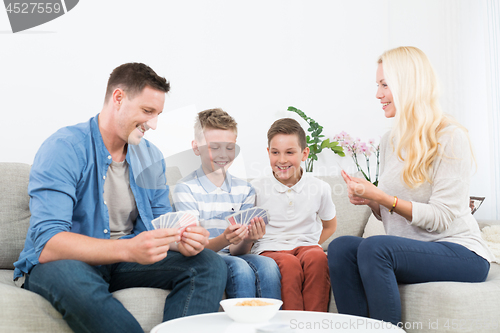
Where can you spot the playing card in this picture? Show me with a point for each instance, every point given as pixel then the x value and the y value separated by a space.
pixel 239 216
pixel 156 223
pixel 264 214
pixel 175 220
pixel 252 212
pixel 245 216
pixel 231 219
pixel 234 218
pixel 165 218
pixel 265 217
pixel 185 221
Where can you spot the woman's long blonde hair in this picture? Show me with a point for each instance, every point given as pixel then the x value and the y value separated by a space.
pixel 419 120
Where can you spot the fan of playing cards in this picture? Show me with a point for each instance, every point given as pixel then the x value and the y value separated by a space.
pixel 245 216
pixel 175 220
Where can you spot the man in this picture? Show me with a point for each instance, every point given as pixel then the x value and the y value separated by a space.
pixel 94 188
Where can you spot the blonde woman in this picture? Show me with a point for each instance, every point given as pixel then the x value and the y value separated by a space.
pixel 422 199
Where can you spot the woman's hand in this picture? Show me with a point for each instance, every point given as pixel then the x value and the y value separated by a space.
pixel 360 191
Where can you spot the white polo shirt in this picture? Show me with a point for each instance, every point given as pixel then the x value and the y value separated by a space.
pixel 293 212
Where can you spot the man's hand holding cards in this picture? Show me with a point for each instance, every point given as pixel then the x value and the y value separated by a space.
pixel 180 220
pixel 193 240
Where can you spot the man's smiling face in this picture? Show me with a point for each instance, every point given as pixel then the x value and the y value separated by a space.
pixel 138 114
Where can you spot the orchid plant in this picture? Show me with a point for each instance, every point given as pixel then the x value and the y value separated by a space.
pixel 357 149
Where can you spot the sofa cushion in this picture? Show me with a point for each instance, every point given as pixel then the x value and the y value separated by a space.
pixel 14 211
pixel 450 306
pixel 145 304
pixel 25 311
pixel 453 306
pixel 373 227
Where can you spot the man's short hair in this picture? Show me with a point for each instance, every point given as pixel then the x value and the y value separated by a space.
pixel 287 126
pixel 132 78
pixel 214 119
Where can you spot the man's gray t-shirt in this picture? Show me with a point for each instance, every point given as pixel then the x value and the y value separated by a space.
pixel 120 200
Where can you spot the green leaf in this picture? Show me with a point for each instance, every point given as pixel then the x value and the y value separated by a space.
pixel 330 146
pixel 299 112
pixel 315 144
pixel 325 143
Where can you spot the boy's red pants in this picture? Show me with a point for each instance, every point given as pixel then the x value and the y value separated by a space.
pixel 305 279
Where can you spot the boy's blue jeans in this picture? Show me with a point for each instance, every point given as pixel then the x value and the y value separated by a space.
pixel 365 272
pixel 251 275
pixel 82 293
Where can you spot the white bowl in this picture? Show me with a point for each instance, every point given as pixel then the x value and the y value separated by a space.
pixel 251 314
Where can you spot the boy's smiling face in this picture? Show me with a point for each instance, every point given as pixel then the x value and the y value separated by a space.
pixel 217 150
pixel 285 155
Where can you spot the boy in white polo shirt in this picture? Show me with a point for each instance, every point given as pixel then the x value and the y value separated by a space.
pixel 294 200
pixel 211 194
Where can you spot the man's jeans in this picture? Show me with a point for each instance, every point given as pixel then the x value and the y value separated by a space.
pixel 251 275
pixel 82 293
pixel 365 272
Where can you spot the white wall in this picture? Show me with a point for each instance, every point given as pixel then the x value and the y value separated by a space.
pixel 253 59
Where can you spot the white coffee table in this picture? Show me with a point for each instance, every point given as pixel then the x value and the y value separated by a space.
pixel 290 321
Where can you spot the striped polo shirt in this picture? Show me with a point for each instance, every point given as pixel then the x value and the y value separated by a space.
pixel 211 204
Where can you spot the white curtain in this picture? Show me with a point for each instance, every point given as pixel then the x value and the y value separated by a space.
pixel 493 78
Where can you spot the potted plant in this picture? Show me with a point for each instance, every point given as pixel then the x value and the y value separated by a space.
pixel 314 141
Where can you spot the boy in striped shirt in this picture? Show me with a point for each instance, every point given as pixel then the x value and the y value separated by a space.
pixel 211 194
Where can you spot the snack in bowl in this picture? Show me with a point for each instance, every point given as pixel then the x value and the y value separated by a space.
pixel 253 302
pixel 251 310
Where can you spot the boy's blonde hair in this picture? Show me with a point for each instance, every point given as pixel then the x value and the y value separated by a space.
pixel 213 119
pixel 419 120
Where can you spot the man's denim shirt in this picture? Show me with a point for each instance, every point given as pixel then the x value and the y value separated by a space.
pixel 66 188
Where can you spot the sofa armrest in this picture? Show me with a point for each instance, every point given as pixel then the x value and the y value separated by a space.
pixel 487 223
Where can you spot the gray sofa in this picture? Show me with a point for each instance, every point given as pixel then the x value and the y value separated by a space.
pixel 444 305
